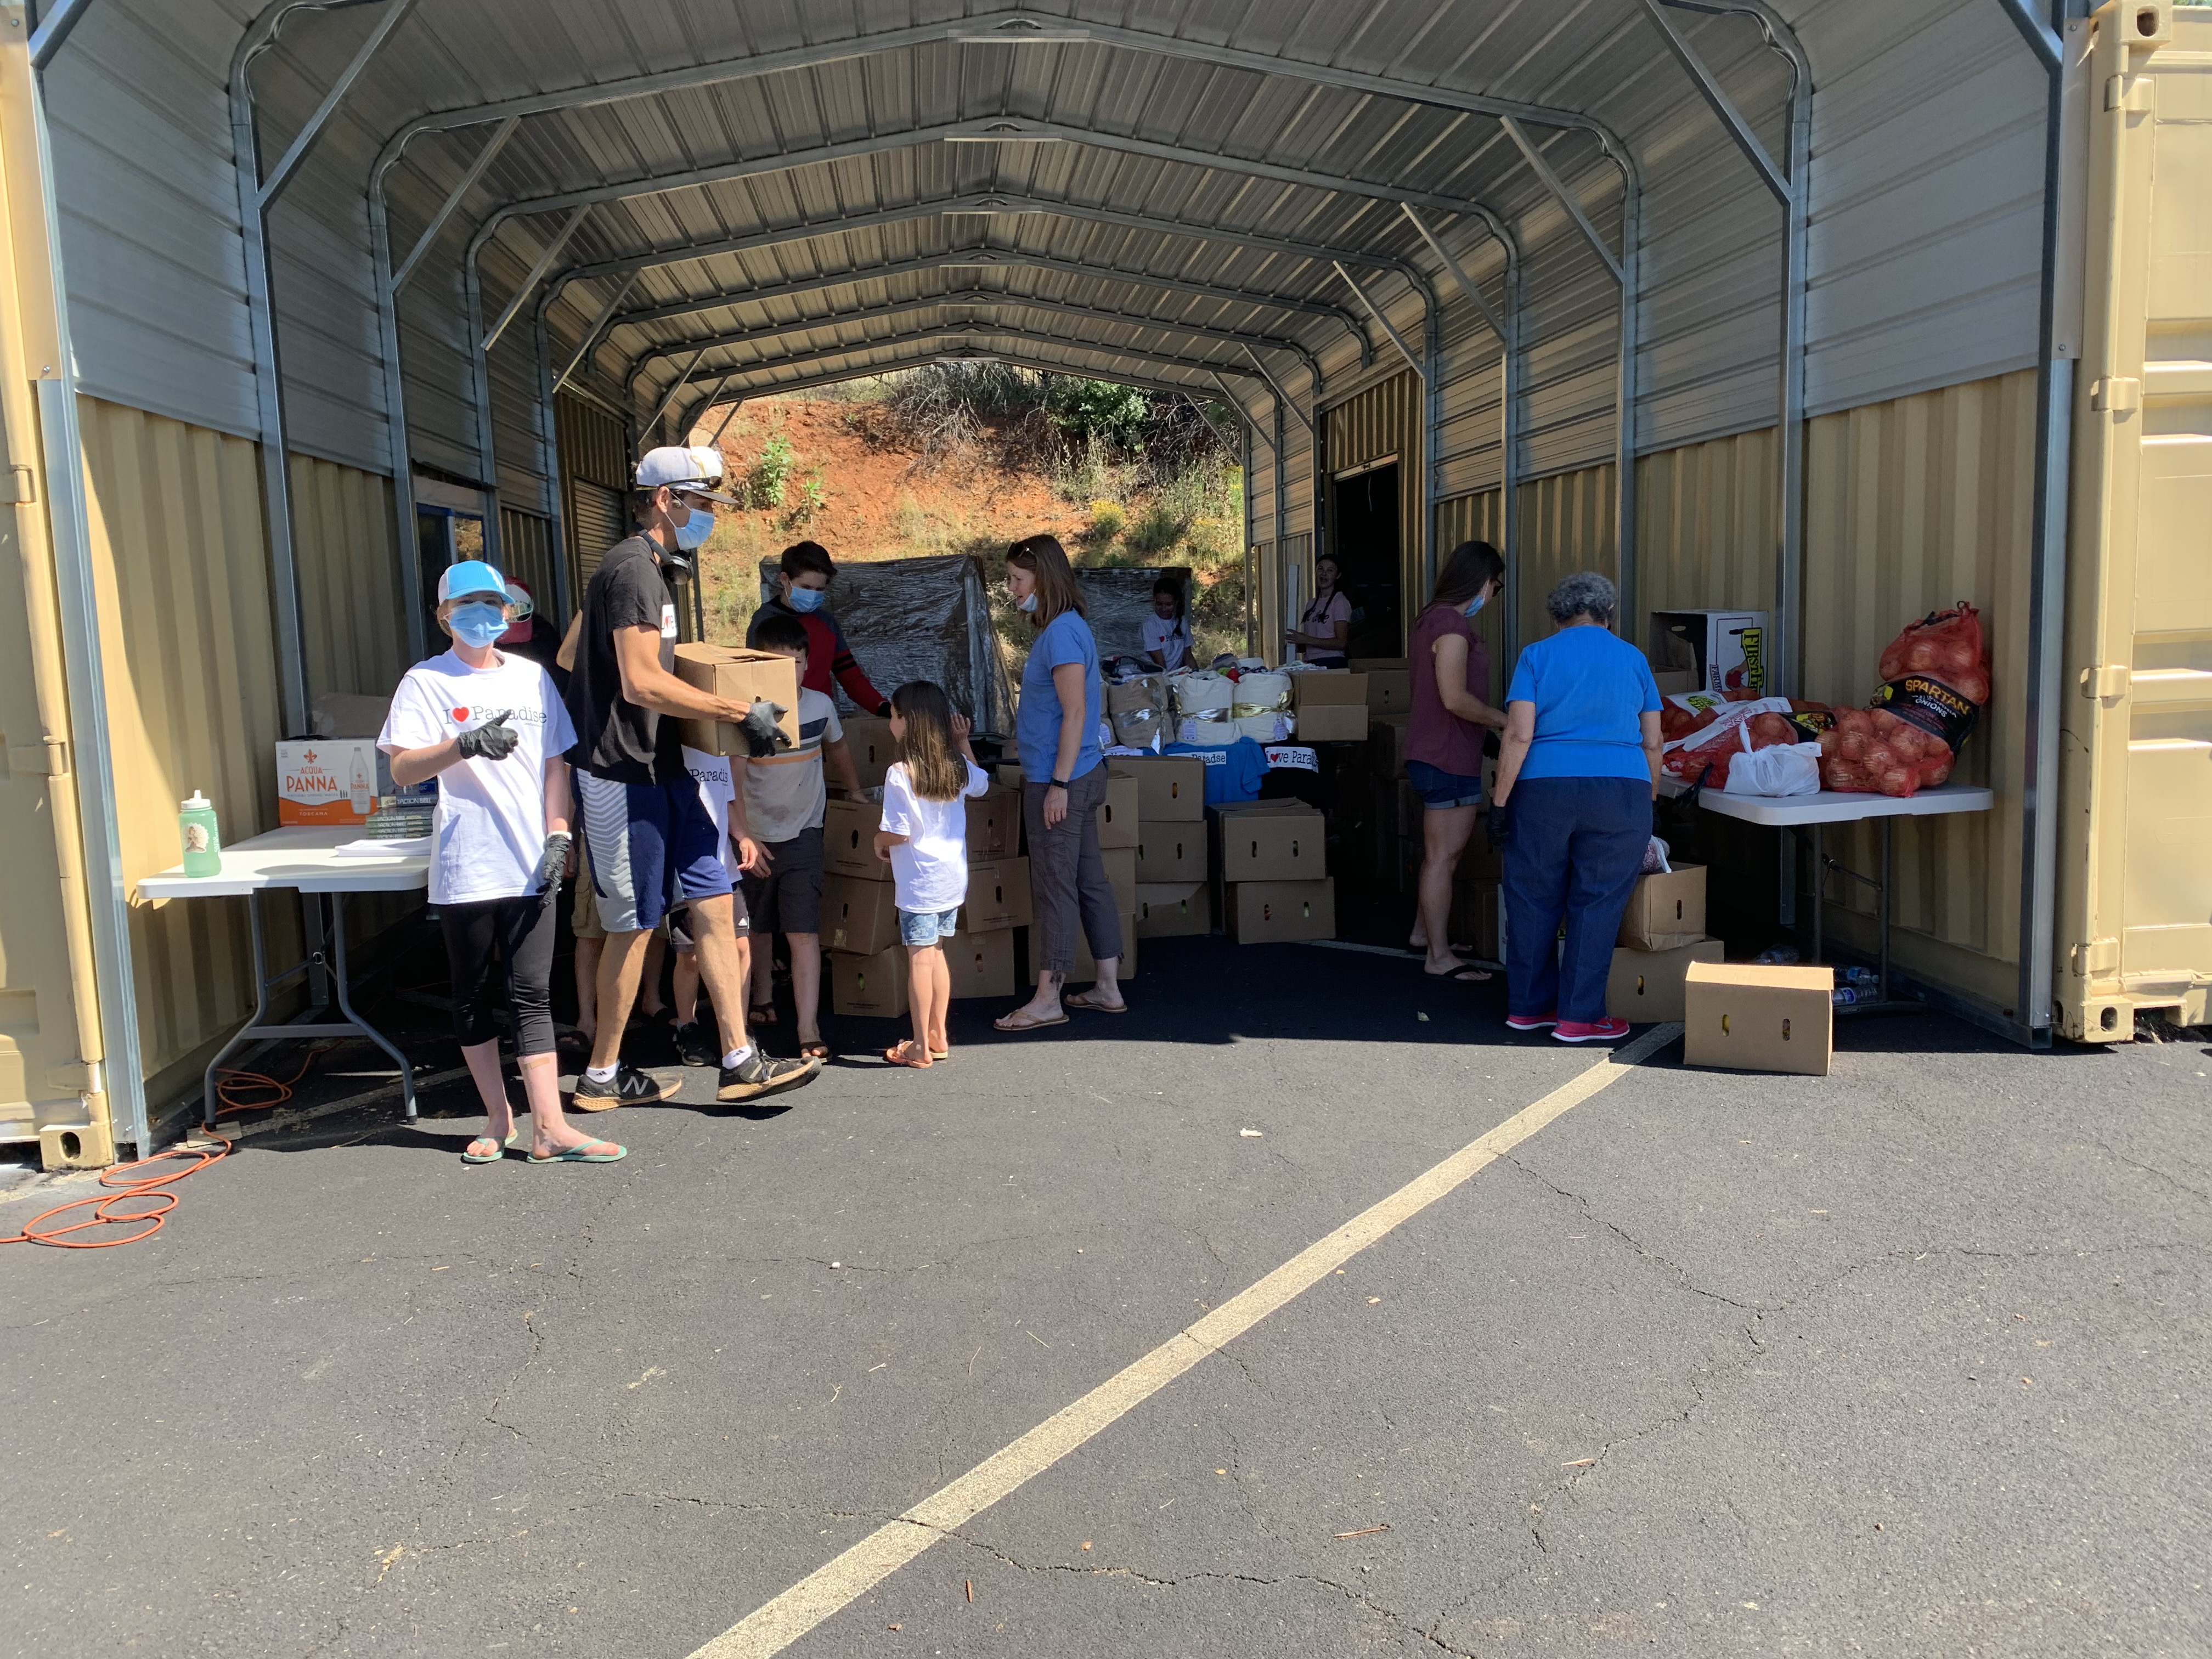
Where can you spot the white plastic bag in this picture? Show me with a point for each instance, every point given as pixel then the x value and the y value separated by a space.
pixel 1784 768
pixel 1262 693
pixel 1203 695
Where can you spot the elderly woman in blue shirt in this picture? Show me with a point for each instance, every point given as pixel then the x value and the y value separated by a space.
pixel 1577 775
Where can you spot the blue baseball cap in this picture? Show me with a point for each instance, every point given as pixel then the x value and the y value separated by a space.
pixel 471 577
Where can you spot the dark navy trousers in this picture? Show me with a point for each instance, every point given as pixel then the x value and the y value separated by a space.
pixel 1573 852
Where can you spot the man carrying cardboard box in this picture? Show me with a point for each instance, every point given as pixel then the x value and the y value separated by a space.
pixel 651 843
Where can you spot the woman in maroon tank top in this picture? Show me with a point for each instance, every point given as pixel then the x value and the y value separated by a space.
pixel 1444 739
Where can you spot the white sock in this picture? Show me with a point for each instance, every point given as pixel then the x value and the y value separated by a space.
pixel 737 1056
pixel 603 1073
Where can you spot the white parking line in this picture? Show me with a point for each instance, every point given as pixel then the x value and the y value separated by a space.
pixel 770 1629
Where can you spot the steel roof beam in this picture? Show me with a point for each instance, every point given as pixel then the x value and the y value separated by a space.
pixel 306 138
pixel 1383 323
pixel 1717 99
pixel 447 208
pixel 984 297
pixel 978 258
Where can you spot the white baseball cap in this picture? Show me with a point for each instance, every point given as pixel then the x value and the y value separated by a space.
pixel 692 470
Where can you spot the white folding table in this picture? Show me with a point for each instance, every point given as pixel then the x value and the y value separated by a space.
pixel 1817 811
pixel 305 860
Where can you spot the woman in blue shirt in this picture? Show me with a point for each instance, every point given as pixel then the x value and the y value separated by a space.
pixel 1063 784
pixel 1580 767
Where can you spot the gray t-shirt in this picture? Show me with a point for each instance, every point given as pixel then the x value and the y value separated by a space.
pixel 786 795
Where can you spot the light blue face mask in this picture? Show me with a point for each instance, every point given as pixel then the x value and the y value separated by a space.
pixel 478 625
pixel 691 535
pixel 1026 602
pixel 1472 605
pixel 804 600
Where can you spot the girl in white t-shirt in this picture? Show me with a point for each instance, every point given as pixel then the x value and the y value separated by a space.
pixel 1167 630
pixel 492 730
pixel 924 836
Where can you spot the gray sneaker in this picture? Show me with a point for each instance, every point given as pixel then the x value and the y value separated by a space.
pixel 628 1087
pixel 761 1075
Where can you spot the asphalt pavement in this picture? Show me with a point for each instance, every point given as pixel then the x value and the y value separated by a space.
pixel 1906 1360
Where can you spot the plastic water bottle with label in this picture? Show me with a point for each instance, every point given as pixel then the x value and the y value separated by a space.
pixel 203 841
pixel 364 799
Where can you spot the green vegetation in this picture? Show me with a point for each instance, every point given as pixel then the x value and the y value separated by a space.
pixel 764 485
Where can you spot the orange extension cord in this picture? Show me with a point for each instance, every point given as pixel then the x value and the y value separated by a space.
pixel 124 1186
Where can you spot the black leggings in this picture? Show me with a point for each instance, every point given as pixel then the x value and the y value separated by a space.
pixel 521 930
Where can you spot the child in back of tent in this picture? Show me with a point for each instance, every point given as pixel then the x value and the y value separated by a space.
pixel 924 836
pixel 1167 629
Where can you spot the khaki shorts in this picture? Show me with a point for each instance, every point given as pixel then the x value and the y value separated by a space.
pixel 584 913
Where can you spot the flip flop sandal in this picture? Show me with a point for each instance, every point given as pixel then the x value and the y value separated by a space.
pixel 817 1050
pixel 940 1055
pixel 894 1056
pixel 1025 1025
pixel 1465 976
pixel 761 1013
pixel 470 1156
pixel 1085 1000
pixel 583 1153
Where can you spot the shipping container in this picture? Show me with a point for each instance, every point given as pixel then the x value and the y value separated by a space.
pixel 1840 309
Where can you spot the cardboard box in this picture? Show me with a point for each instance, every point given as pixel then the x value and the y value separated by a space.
pixel 1007 774
pixel 869 738
pixel 998 897
pixel 1121 871
pixel 1725 649
pixel 1271 841
pixel 1648 985
pixel 1275 911
pixel 994 824
pixel 1376 665
pixel 981 964
pixel 1320 687
pixel 1386 744
pixel 1171 853
pixel 1389 690
pixel 858 917
pixel 1665 911
pixel 1740 1016
pixel 1174 909
pixel 1085 968
pixel 872 987
pixel 1673 681
pixel 1119 812
pixel 330 780
pixel 848 839
pixel 1331 722
pixel 1171 788
pixel 1474 919
pixel 742 676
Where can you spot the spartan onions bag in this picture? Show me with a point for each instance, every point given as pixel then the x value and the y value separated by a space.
pixel 1935 680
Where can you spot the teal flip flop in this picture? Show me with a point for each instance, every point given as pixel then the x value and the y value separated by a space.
pixel 584 1154
pixel 471 1157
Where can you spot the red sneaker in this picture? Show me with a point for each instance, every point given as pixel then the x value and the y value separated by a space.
pixel 1605 1031
pixel 1530 1022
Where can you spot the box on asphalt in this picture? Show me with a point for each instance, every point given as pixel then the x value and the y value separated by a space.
pixel 1277 912
pixel 742 676
pixel 1119 812
pixel 859 918
pixel 994 824
pixel 869 738
pixel 1649 985
pixel 1743 1016
pixel 1121 871
pixel 1171 788
pixel 1086 966
pixel 1174 909
pixel 1271 841
pixel 998 895
pixel 848 839
pixel 981 964
pixel 873 988
pixel 1171 852
pixel 1665 910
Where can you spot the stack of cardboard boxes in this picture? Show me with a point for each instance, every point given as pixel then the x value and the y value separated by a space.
pixel 1662 932
pixel 1174 897
pixel 1272 862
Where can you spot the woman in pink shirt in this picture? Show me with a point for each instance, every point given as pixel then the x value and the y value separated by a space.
pixel 1444 740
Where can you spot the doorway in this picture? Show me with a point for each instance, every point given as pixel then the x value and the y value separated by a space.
pixel 1365 544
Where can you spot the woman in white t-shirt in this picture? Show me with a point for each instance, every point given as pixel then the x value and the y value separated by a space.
pixel 924 834
pixel 1326 626
pixel 1167 630
pixel 493 731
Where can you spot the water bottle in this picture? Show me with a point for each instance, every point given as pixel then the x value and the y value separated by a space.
pixel 196 825
pixel 1782 956
pixel 1845 996
pixel 1863 979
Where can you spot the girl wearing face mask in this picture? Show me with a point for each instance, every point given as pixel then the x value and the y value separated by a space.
pixel 491 729
pixel 1444 739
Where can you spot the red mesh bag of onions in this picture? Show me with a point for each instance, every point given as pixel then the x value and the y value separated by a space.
pixel 1935 678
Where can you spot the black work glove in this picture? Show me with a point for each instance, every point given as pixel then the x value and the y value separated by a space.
pixel 493 742
pixel 1497 824
pixel 884 709
pixel 763 737
pixel 551 863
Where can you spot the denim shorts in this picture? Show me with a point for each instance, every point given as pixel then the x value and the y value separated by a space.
pixel 1439 789
pixel 921 927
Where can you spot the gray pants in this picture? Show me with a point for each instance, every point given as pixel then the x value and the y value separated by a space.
pixel 1068 876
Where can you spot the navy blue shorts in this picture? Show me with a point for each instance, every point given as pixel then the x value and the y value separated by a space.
pixel 652 846
pixel 1439 789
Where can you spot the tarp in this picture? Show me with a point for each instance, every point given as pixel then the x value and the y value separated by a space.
pixel 921 619
pixel 1117 601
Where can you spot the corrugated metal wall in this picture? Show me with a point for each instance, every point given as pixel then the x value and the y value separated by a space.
pixel 526 543
pixel 595 476
pixel 355 623
pixel 182 573
pixel 1566 525
pixel 1705 519
pixel 1475 518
